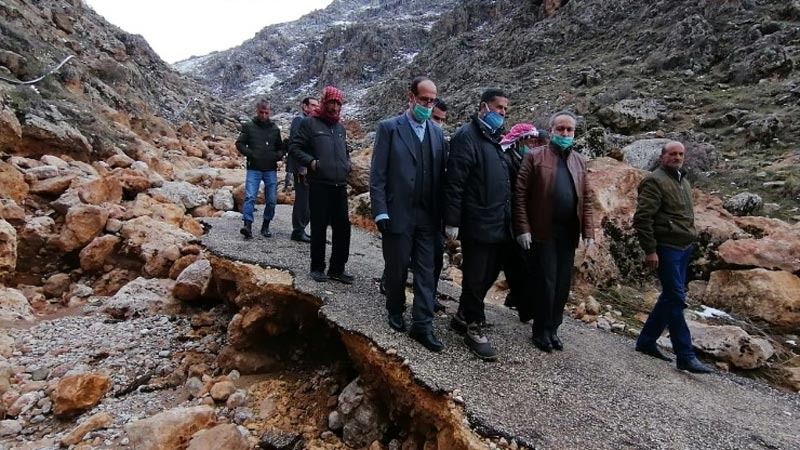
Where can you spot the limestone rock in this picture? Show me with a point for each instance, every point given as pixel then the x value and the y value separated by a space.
pixel 93 256
pixel 181 192
pixel 12 183
pixel 77 393
pixel 133 181
pixel 43 172
pixel 152 240
pixel 10 128
pixel 631 115
pixel 56 285
pixel 194 281
pixel 120 160
pixel 360 416
pixel 8 247
pixel 775 251
pixel 744 204
pixel 11 211
pixel 764 129
pixel 14 306
pixel 95 422
pixel 221 437
pixel 52 186
pixel 223 200
pixel 83 223
pixel 772 296
pixel 170 429
pixel 101 190
pixel 10 427
pixel 182 263
pixel 142 296
pixel 55 135
pixel 358 178
pixel 222 390
pixel 731 344
pixel 644 154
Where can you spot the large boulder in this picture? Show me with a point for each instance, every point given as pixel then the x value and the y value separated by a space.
pixel 731 344
pixel 181 192
pixel 8 247
pixel 223 199
pixel 11 211
pixel 49 137
pixel 361 419
pixel 75 394
pixel 771 296
pixel 194 281
pixel 171 429
pixel 53 187
pixel 83 223
pixel 14 306
pixel 142 296
pixel 744 204
pixel 644 154
pixel 780 251
pixel 632 115
pixel 358 178
pixel 100 190
pixel 155 242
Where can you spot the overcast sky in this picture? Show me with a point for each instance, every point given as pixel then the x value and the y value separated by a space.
pixel 177 29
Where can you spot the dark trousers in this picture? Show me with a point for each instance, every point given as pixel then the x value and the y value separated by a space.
pixel 519 275
pixel 481 264
pixel 417 248
pixel 329 207
pixel 551 261
pixel 300 211
pixel 673 265
pixel 438 255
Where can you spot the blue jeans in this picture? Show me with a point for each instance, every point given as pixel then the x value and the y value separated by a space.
pixel 251 185
pixel 673 265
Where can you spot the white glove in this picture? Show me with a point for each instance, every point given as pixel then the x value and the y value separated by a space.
pixel 451 232
pixel 588 242
pixel 524 241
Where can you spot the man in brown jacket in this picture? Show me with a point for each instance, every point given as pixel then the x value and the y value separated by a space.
pixel 552 209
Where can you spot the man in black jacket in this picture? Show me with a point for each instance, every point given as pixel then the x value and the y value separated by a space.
pixel 300 209
pixel 478 211
pixel 260 141
pixel 320 145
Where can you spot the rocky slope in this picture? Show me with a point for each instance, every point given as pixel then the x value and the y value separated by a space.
pixel 721 75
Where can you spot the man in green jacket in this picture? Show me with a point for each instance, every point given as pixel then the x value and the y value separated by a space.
pixel 664 223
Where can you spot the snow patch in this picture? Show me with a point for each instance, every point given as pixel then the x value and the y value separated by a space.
pixel 711 313
pixel 262 84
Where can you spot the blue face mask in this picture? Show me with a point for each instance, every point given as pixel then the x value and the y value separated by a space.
pixel 493 120
pixel 562 142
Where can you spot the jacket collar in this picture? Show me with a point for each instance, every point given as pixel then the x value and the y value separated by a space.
pixel 485 131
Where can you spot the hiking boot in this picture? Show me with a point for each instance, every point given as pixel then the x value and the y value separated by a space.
pixel 342 277
pixel 265 229
pixel 478 343
pixel 247 229
pixel 318 276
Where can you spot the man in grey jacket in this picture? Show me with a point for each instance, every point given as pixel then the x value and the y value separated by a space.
pixel 300 209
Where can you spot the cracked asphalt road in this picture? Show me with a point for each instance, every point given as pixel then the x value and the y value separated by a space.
pixel 596 394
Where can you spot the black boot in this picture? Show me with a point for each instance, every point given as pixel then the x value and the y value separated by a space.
pixel 265 228
pixel 541 339
pixel 247 229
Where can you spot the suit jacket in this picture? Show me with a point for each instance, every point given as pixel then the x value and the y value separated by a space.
pixel 393 171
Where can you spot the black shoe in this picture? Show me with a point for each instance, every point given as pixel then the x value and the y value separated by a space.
pixel 247 229
pixel 302 236
pixel 694 366
pixel 319 277
pixel 427 339
pixel 478 343
pixel 343 277
pixel 541 339
pixel 555 341
pixel 397 322
pixel 458 323
pixel 653 351
pixel 265 229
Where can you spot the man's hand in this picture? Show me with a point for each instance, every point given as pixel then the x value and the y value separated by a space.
pixel 451 232
pixel 651 260
pixel 314 165
pixel 524 241
pixel 383 225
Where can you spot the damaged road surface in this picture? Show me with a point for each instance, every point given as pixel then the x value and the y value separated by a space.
pixel 598 393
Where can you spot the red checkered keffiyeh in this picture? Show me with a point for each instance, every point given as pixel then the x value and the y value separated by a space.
pixel 328 94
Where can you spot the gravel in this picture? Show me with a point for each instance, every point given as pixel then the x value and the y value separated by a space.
pixel 598 393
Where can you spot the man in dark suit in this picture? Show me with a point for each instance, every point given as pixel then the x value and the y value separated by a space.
pixel 406 179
